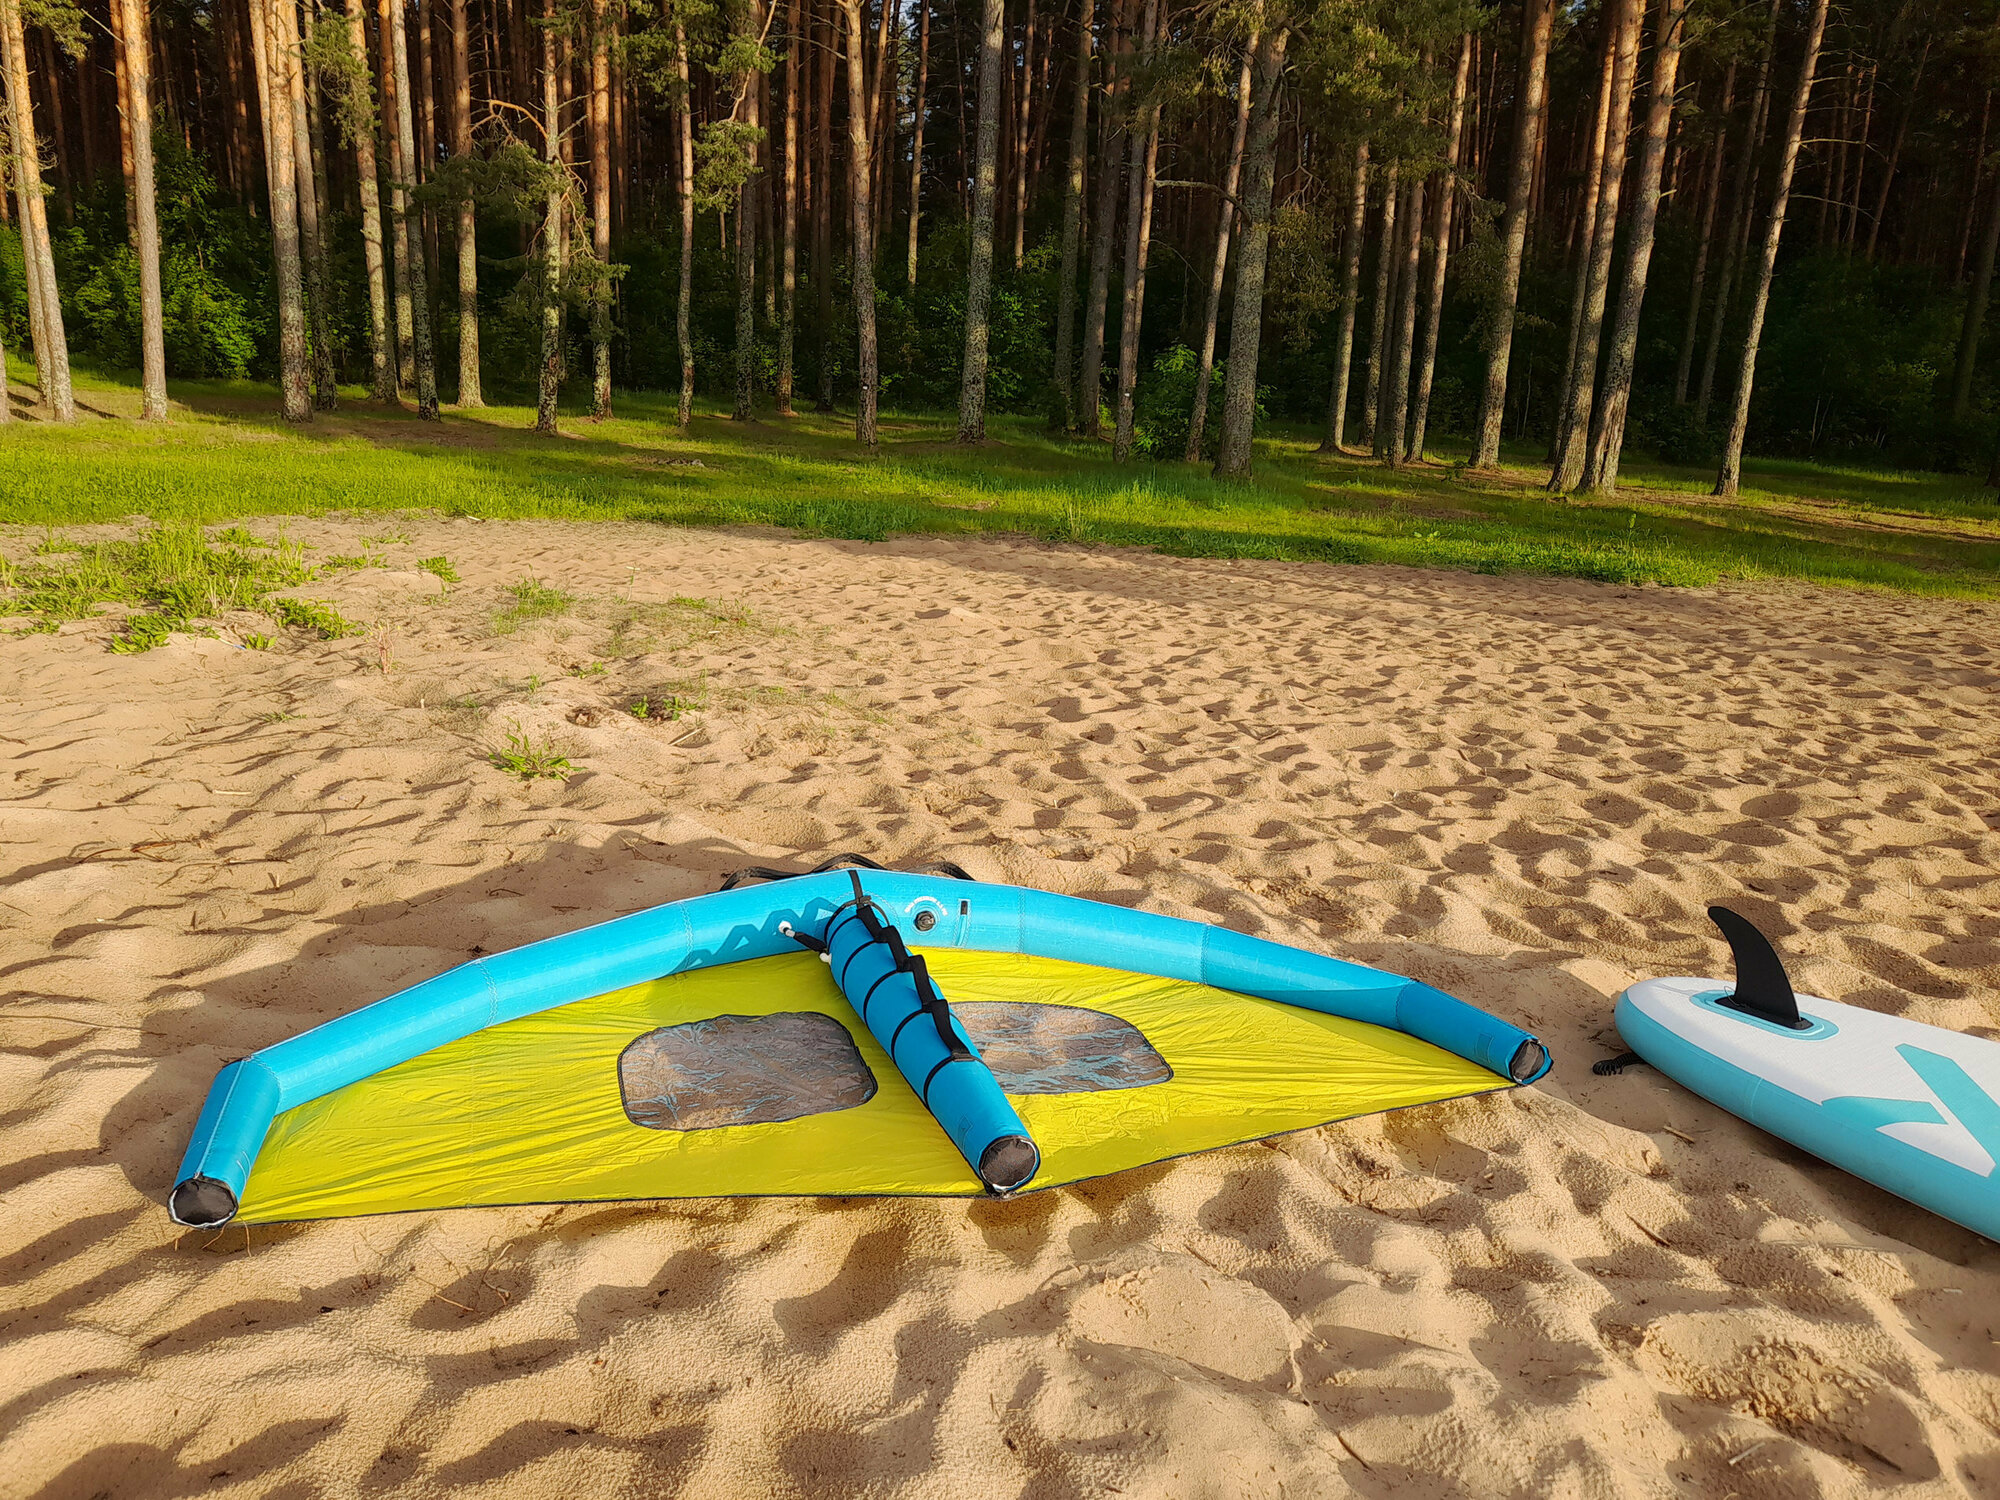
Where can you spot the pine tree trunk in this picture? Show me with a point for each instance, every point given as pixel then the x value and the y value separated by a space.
pixel 426 159
pixel 1440 254
pixel 684 121
pixel 326 374
pixel 1138 238
pixel 746 233
pixel 823 199
pixel 360 118
pixel 1607 437
pixel 600 208
pixel 917 131
pixel 1335 440
pixel 1730 472
pixel 1043 99
pixel 391 164
pixel 236 110
pixel 470 393
pixel 128 172
pixel 420 307
pixel 1573 422
pixel 1740 213
pixel 550 393
pixel 767 240
pixel 58 127
pixel 281 169
pixel 1024 117
pixel 1976 176
pixel 1896 152
pixel 979 269
pixel 1593 185
pixel 861 208
pixel 309 171
pixel 1103 226
pixel 153 344
pixel 788 272
pixel 426 95
pixel 621 142
pixel 1380 329
pixel 1246 312
pixel 1537 19
pixel 45 302
pixel 1406 323
pixel 1975 316
pixel 1833 175
pixel 1072 230
pixel 31 264
pixel 1685 369
pixel 1010 109
pixel 1225 222
pixel 1851 208
pixel 882 119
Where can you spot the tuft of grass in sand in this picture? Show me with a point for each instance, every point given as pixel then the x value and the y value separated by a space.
pixel 531 758
pixel 349 562
pixel 314 615
pixel 681 621
pixel 533 600
pixel 236 536
pixel 660 707
pixel 176 576
pixel 228 457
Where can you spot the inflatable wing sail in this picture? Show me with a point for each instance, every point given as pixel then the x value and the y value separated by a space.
pixel 922 1035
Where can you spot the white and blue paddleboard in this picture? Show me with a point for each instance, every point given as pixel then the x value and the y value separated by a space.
pixel 1909 1107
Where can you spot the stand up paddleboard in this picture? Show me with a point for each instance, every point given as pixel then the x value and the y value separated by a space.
pixel 1909 1107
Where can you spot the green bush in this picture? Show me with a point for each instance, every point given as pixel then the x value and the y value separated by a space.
pixel 1677 436
pixel 13 289
pixel 209 329
pixel 1164 405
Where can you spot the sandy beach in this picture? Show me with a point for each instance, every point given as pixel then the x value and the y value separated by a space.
pixel 1521 790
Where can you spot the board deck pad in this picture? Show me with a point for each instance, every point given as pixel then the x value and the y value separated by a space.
pixel 1109 1069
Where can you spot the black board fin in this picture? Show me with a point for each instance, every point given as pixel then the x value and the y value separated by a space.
pixel 1763 989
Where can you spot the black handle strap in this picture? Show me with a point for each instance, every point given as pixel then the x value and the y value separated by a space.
pixel 937 1008
pixel 841 862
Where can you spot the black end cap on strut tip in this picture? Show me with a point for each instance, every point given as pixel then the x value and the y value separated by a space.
pixel 1529 1059
pixel 202 1203
pixel 1008 1163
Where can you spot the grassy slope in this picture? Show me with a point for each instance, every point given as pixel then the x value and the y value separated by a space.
pixel 226 456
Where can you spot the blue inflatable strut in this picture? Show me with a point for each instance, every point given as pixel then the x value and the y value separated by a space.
pixel 891 990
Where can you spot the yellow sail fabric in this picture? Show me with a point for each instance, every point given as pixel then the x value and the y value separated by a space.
pixel 531 1111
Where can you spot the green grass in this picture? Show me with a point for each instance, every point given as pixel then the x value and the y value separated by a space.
pixel 175 575
pixel 533 600
pixel 530 758
pixel 227 458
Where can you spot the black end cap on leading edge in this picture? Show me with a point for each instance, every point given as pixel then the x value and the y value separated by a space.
pixel 1008 1163
pixel 1528 1061
pixel 1762 988
pixel 202 1203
